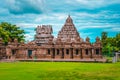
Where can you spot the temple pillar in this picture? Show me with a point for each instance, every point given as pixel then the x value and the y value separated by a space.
pixel 70 52
pixel 26 53
pixel 74 53
pixel 64 53
pixel 60 53
pixel 55 52
pixel 93 53
pixel 79 52
pixel 91 56
pixel 83 53
pixel 51 52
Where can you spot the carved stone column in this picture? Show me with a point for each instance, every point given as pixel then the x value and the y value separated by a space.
pixel 83 52
pixel 51 52
pixel 60 53
pixel 74 53
pixel 70 53
pixel 81 56
pixel 93 53
pixel 79 53
pixel 56 53
pixel 64 53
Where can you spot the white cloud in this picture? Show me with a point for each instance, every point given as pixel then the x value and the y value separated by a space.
pixel 27 25
pixel 29 37
pixel 114 29
pixel 91 4
pixel 51 17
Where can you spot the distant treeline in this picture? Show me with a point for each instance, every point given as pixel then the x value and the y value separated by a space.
pixel 110 44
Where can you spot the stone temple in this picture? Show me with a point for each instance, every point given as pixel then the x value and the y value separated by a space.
pixel 67 46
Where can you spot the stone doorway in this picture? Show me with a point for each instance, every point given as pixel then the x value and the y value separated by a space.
pixel 29 53
pixel 13 54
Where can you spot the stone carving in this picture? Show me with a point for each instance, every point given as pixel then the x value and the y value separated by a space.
pixel 67 45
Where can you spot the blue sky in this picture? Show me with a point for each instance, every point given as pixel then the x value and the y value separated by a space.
pixel 91 17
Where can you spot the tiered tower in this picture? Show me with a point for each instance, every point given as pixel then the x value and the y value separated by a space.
pixel 68 31
pixel 43 34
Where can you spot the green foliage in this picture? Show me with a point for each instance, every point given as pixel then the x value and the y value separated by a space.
pixel 59 71
pixel 110 44
pixel 4 34
pixel 10 32
pixel 104 38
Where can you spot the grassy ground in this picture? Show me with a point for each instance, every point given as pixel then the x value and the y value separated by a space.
pixel 59 71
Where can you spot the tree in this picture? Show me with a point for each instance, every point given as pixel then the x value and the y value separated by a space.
pixel 3 34
pixel 110 44
pixel 10 32
pixel 104 38
pixel 117 41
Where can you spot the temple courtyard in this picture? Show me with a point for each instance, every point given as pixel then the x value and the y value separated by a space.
pixel 59 71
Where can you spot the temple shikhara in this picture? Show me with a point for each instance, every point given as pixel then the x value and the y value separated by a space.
pixel 67 46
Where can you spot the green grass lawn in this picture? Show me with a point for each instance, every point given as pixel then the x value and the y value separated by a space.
pixel 59 71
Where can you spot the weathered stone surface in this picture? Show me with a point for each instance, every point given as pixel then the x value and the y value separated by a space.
pixel 43 34
pixel 67 45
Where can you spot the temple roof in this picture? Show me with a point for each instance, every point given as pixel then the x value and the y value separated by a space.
pixel 43 34
pixel 68 31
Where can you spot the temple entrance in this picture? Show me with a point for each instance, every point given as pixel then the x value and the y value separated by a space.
pixel 86 51
pixel 29 53
pixel 13 52
pixel 62 54
pixel 67 51
pixel 97 51
pixel 57 51
pixel 77 51
pixel 48 51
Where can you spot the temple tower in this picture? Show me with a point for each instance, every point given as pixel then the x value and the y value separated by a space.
pixel 68 31
pixel 43 34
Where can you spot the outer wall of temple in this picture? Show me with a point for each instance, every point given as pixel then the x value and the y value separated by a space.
pixel 68 45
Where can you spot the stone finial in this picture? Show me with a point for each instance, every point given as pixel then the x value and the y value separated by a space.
pixel 87 39
pixel 69 19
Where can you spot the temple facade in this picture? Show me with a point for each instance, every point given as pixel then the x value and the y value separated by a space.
pixel 67 45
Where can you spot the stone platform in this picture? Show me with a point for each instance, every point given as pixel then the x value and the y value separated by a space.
pixel 62 60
